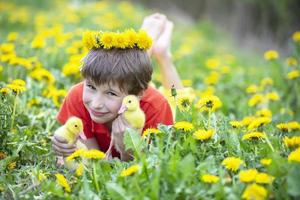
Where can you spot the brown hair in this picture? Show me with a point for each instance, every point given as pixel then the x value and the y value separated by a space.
pixel 130 69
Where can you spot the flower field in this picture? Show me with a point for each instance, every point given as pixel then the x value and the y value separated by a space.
pixel 237 129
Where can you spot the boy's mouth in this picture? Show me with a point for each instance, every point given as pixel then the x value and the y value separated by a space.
pixel 96 113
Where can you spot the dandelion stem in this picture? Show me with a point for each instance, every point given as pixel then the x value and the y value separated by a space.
pixel 209 118
pixel 94 177
pixel 269 144
pixel 13 114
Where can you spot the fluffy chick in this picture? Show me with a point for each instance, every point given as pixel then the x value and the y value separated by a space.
pixel 71 131
pixel 133 115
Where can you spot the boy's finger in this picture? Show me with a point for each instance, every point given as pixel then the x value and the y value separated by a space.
pixel 62 150
pixel 64 145
pixel 59 139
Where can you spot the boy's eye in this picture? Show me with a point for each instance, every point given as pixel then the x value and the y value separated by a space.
pixel 91 87
pixel 112 94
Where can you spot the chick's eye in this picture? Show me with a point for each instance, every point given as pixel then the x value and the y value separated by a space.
pixel 129 101
pixel 75 126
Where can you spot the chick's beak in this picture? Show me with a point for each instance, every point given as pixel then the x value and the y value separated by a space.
pixel 82 136
pixel 122 109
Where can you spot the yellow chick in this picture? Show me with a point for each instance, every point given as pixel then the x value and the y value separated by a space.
pixel 133 115
pixel 71 131
pixel 132 111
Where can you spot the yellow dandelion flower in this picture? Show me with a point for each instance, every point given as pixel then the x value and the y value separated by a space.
pixel 236 124
pixel 292 142
pixel 12 165
pixel 212 78
pixel 131 37
pixel 271 55
pixel 42 74
pixel 4 90
pixel 58 96
pixel 247 120
pixel 255 192
pixel 264 113
pixel 232 163
pixel 7 48
pixel 33 102
pixel 294 156
pixel 210 90
pixel 184 125
pixel 18 82
pixel 266 161
pixel 255 99
pixel 144 41
pixel 293 74
pixel 273 96
pixel 87 39
pixel 209 178
pixel 150 131
pixel 75 154
pixel 252 89
pixel 247 176
pixel 130 170
pixel 283 127
pixel 209 103
pixel 294 125
pixel 267 81
pixel 16 88
pixel 79 170
pixel 38 42
pixel 264 178
pixel 93 154
pixel 120 41
pixel 12 36
pixel 107 40
pixel 62 181
pixel 212 63
pixel 254 135
pixel 187 82
pixel 290 61
pixel 296 36
pixel 184 103
pixel 202 134
pixel 259 121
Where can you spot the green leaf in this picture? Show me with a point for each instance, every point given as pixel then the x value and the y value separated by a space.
pixel 293 180
pixel 116 191
pixel 133 141
pixel 187 167
pixel 86 192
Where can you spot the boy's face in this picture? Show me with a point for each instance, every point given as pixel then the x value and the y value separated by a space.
pixel 102 102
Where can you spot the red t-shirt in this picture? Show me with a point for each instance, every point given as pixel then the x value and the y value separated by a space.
pixel 153 103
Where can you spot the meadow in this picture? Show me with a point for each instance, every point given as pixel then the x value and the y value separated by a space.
pixel 236 134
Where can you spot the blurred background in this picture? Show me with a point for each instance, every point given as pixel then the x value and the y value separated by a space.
pixel 252 24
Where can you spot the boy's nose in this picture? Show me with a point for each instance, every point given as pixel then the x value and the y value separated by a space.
pixel 97 103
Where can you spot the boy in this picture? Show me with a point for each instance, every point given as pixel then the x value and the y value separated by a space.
pixel 111 74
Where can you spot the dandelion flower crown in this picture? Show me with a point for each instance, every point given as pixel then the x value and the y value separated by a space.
pixel 122 40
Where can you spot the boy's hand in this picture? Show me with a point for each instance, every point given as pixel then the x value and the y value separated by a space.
pixel 119 126
pixel 118 129
pixel 153 25
pixel 161 49
pixel 61 146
